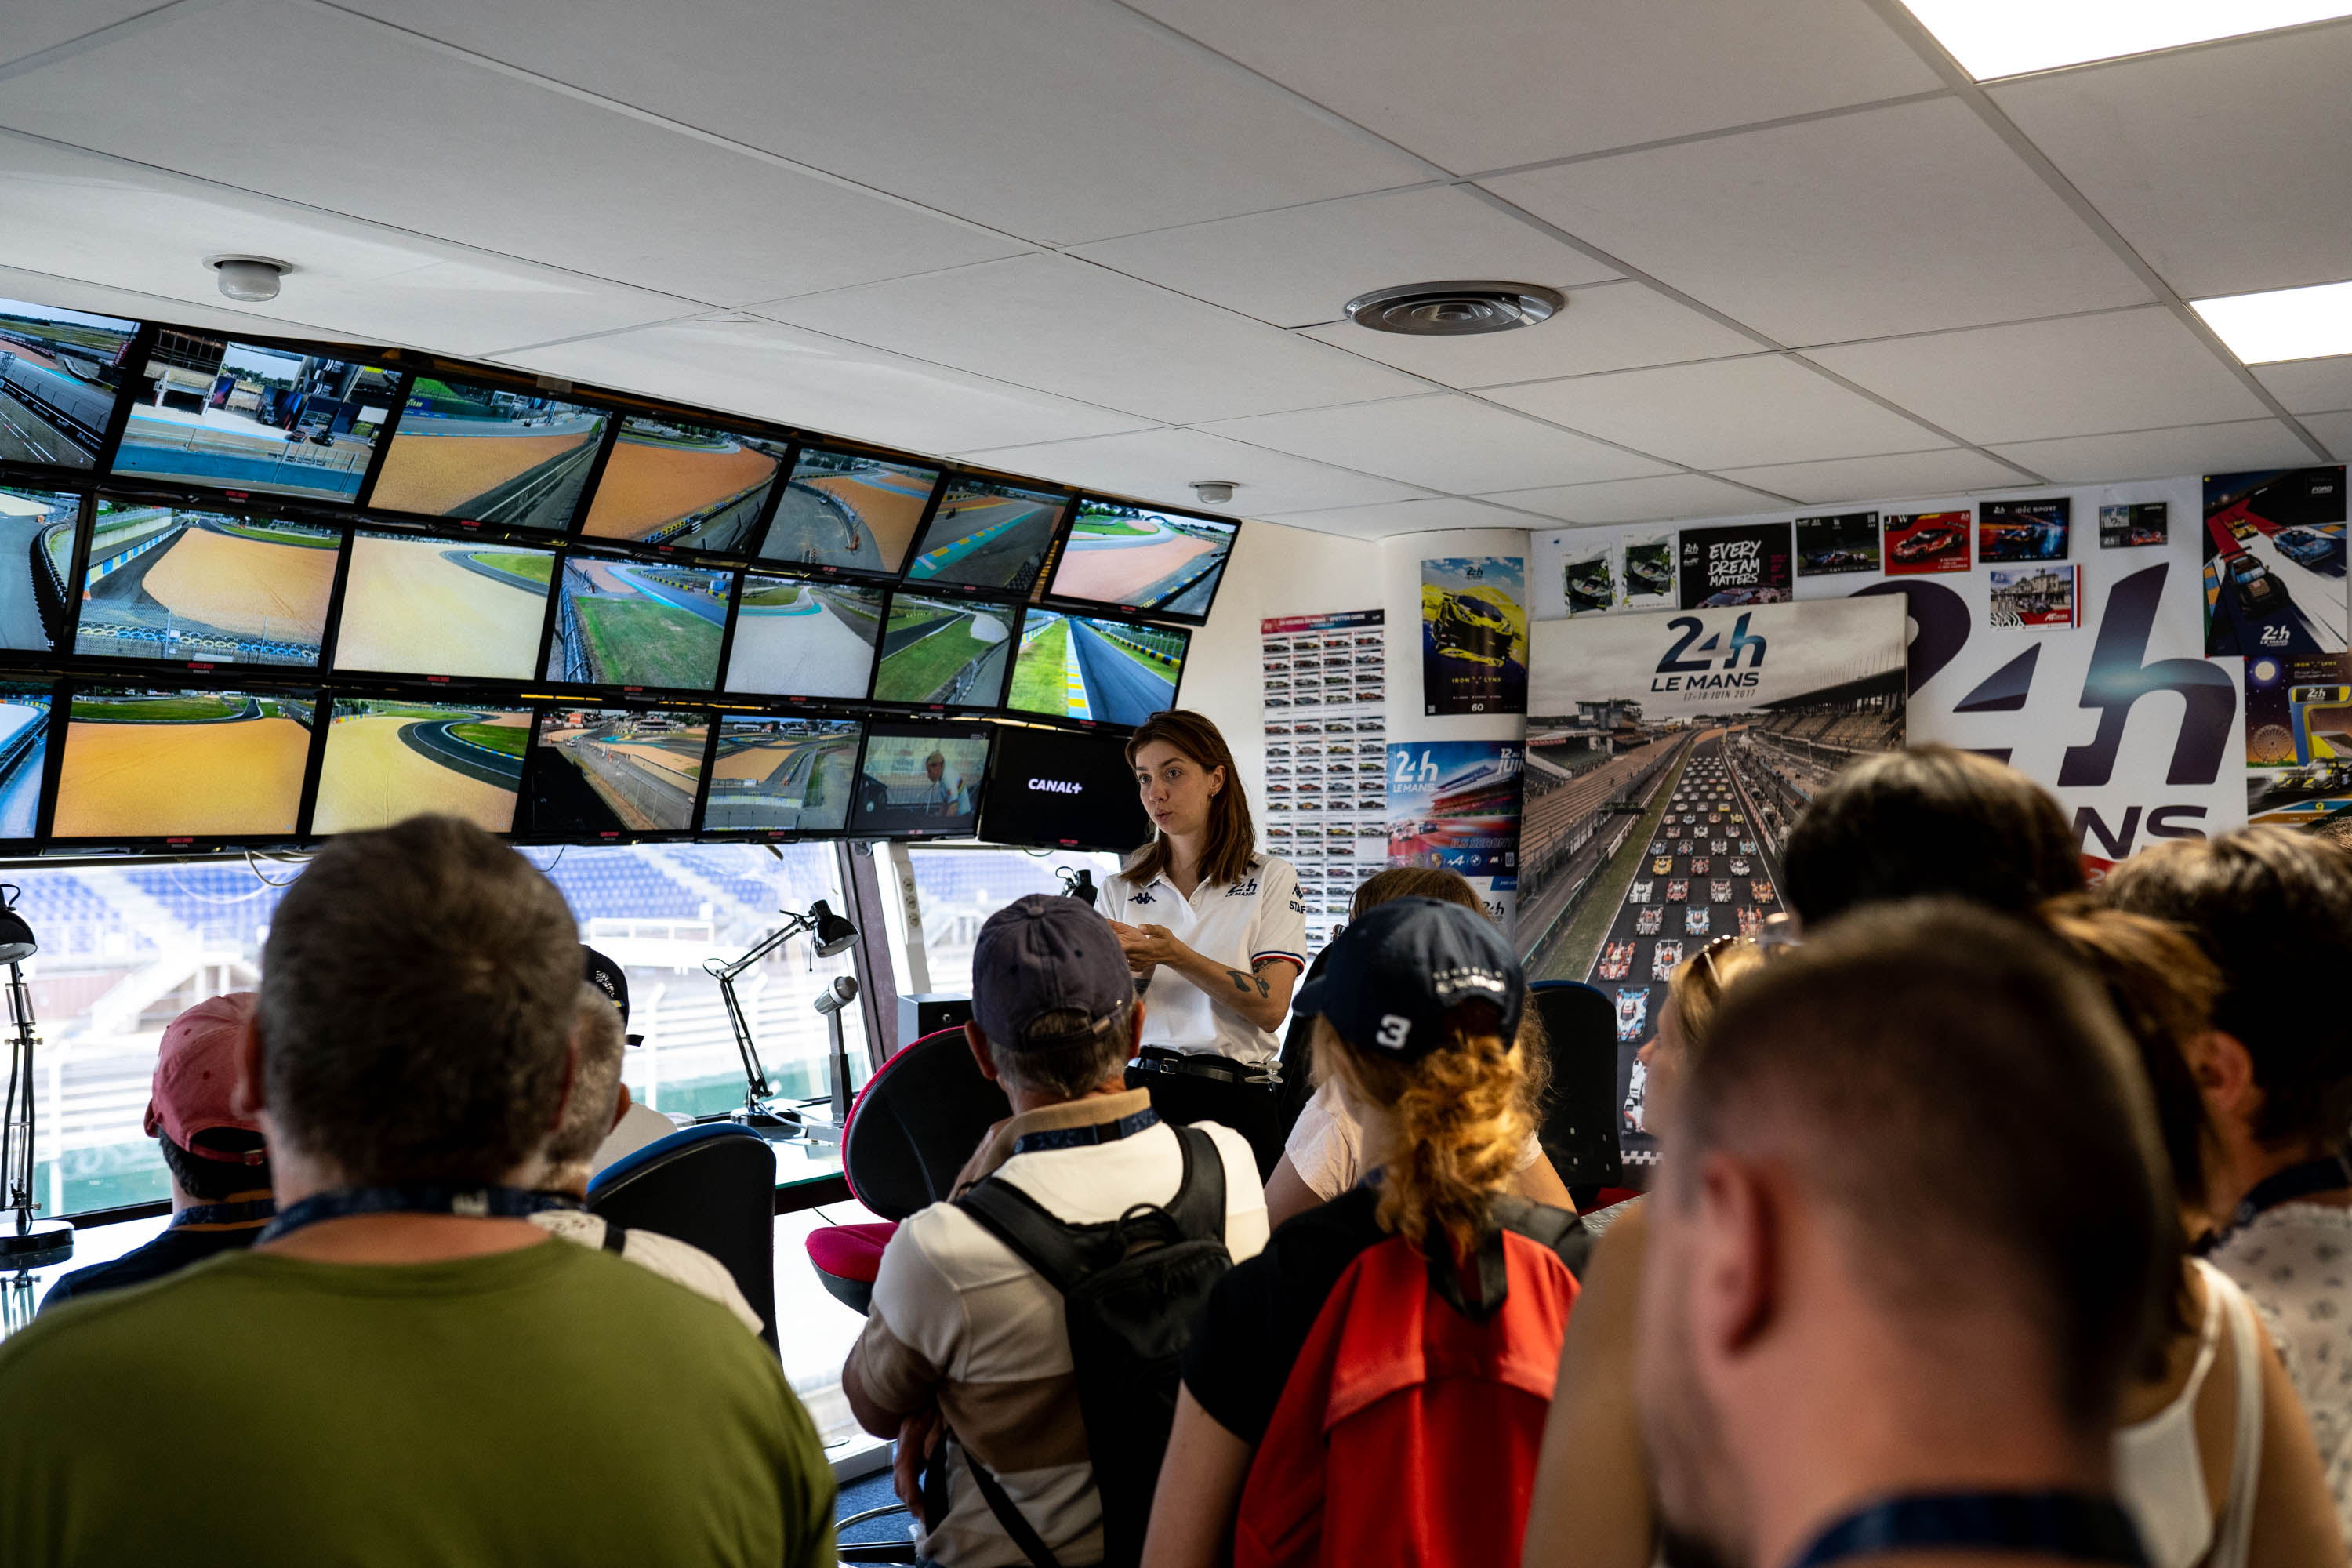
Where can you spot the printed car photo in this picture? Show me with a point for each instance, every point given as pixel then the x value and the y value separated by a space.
pixel 1633 1013
pixel 1696 921
pixel 1677 890
pixel 1649 921
pixel 1617 962
pixel 1720 891
pixel 1760 890
pixel 2257 592
pixel 1751 921
pixel 1740 865
pixel 1663 958
pixel 1662 865
pixel 1638 894
pixel 1470 629
pixel 1698 866
pixel 2309 548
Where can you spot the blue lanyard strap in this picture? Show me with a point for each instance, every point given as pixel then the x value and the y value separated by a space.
pixel 1082 1137
pixel 417 1197
pixel 2077 1526
pixel 244 1213
pixel 2330 1174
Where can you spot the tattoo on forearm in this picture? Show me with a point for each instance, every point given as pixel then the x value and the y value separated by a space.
pixel 1242 983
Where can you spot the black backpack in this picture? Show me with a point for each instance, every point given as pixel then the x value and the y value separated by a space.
pixel 1130 1291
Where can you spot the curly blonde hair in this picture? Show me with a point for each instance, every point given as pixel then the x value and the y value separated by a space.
pixel 1458 1123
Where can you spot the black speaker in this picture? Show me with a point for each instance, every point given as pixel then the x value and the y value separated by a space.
pixel 928 1012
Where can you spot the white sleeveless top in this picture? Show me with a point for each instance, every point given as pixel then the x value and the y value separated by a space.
pixel 2159 1475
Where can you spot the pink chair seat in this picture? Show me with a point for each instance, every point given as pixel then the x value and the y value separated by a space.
pixel 847 1256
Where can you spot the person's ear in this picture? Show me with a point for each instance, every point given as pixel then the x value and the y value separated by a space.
pixel 1736 1262
pixel 1216 782
pixel 978 1043
pixel 250 1095
pixel 2224 1070
pixel 620 1103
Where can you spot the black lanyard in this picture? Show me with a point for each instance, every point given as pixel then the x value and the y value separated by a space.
pixel 2076 1526
pixel 1081 1136
pixel 417 1197
pixel 2330 1174
pixel 244 1213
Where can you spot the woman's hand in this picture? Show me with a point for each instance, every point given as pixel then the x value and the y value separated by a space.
pixel 1147 947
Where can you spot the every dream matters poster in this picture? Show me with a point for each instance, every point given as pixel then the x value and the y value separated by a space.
pixel 1474 635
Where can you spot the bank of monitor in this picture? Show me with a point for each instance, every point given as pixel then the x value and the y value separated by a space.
pixel 848 511
pixel 147 764
pixel 1145 560
pixel 503 456
pixel 799 638
pixel 62 374
pixel 989 535
pixel 944 652
pixel 782 775
pixel 613 773
pixel 204 585
pixel 690 487
pixel 920 781
pixel 1092 669
pixel 1049 789
pixel 259 417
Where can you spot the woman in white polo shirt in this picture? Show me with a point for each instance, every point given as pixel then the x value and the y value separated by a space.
pixel 1212 929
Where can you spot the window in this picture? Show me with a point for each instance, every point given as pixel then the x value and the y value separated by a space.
pixel 125 948
pixel 960 888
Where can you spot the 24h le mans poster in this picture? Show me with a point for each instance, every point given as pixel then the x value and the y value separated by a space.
pixel 1474 635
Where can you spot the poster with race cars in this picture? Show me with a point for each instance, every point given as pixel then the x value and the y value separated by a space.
pixel 1455 804
pixel 1326 758
pixel 1474 635
pixel 1847 541
pixel 1920 542
pixel 1589 580
pixel 2273 546
pixel 2024 530
pixel 2135 525
pixel 2035 598
pixel 1745 563
pixel 1650 573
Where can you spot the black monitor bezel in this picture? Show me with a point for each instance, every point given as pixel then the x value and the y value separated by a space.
pixel 705 832
pixel 1010 736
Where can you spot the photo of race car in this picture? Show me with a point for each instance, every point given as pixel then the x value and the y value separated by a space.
pixel 1751 921
pixel 1662 865
pixel 1617 962
pixel 1638 894
pixel 1719 847
pixel 1720 891
pixel 1760 890
pixel 1698 866
pixel 1696 921
pixel 1649 921
pixel 1663 958
pixel 1740 865
pixel 1633 1013
pixel 1659 847
pixel 1471 629
pixel 2258 593
pixel 1747 846
pixel 1926 542
pixel 2306 547
pixel 1682 846
pixel 1677 890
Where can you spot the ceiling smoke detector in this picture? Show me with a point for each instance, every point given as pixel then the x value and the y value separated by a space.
pixel 252 279
pixel 1213 493
pixel 1455 310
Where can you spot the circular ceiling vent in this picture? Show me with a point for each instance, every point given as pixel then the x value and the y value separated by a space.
pixel 1455 310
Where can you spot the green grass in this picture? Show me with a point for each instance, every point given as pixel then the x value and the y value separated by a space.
pixel 69 332
pixel 854 608
pixel 509 739
pixel 269 535
pixel 1040 678
pixel 397 711
pixel 1164 669
pixel 537 568
pixel 1110 528
pixel 913 615
pixel 634 642
pixel 913 673
pixel 783 594
pixel 161 709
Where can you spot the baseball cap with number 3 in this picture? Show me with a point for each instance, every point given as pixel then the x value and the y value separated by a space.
pixel 1390 979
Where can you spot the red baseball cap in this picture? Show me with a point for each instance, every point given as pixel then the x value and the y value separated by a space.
pixel 196 1078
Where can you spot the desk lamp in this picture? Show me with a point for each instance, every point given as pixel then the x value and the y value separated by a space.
pixel 834 934
pixel 24 1242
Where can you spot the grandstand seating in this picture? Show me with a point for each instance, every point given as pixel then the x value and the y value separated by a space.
pixel 600 886
pixel 217 904
pixel 68 916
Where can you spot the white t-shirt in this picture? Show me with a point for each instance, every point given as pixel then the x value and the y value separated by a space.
pixel 1325 1145
pixel 1233 923
pixel 638 1126
pixel 673 1260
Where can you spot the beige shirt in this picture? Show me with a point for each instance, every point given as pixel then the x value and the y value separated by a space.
pixel 959 1320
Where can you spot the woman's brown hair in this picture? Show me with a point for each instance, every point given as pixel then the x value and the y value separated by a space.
pixel 1231 838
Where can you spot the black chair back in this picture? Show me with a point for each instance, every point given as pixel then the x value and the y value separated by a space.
pixel 1579 1129
pixel 713 1187
pixel 916 1122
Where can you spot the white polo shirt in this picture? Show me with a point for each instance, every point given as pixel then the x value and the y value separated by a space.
pixel 1234 923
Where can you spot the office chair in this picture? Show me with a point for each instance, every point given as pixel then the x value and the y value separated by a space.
pixel 911 1129
pixel 712 1187
pixel 1579 1127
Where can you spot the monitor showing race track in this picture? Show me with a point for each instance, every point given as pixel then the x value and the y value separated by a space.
pixel 204 586
pixel 61 376
pixel 141 764
pixel 920 781
pixel 988 535
pixel 413 605
pixel 1048 789
pixel 24 710
pixel 848 511
pixel 950 653
pixel 803 640
pixel 36 549
pixel 255 417
pixel 691 487
pixel 1097 670
pixel 634 623
pixel 606 771
pixel 502 455
pixel 389 759
pixel 783 775
pixel 1146 559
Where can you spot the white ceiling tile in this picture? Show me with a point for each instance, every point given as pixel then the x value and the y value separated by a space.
pixel 117 226
pixel 1486 83
pixel 1084 332
pixel 2335 431
pixel 400 135
pixel 2310 385
pixel 2224 166
pixel 1904 219
pixel 1728 413
pixel 1867 478
pixel 1162 465
pixel 2127 370
pixel 1445 442
pixel 28 27
pixel 1300 265
pixel 1611 326
pixel 1060 122
pixel 794 377
pixel 2155 454
pixel 1393 518
pixel 1659 499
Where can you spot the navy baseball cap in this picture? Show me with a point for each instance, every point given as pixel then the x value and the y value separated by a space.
pixel 1390 978
pixel 1044 953
pixel 613 981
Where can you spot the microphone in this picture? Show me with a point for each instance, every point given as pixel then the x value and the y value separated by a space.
pixel 1079 883
pixel 837 996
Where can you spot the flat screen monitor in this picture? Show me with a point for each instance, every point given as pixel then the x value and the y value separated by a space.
pixel 603 771
pixel 37 546
pixel 690 485
pixel 25 709
pixel 850 512
pixel 205 586
pixel 633 623
pixel 987 536
pixel 1095 669
pixel 491 454
pixel 61 374
pixel 920 781
pixel 783 775
pixel 142 764
pixel 803 640
pixel 1143 559
pixel 1048 789
pixel 948 652
pixel 251 417
pixel 413 605
pixel 388 760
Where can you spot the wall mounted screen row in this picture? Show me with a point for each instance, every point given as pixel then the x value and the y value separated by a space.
pixel 115 580
pixel 336 426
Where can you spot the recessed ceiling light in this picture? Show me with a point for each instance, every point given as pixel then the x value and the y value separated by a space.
pixel 252 279
pixel 2285 323
pixel 1455 310
pixel 2009 37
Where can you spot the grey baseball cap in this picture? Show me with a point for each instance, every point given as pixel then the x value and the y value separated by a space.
pixel 1044 953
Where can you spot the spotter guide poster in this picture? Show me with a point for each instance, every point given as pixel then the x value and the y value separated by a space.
pixel 1325 678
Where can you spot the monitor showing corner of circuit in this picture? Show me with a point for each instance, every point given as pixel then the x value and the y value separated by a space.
pixel 796 638
pixel 944 653
pixel 205 586
pixel 255 417
pixel 847 512
pixel 1143 559
pixel 61 376
pixel 1049 789
pixel 414 606
pixel 988 535
pixel 690 487
pixel 146 764
pixel 24 710
pixel 920 781
pixel 508 457
pixel 637 623
pixel 615 772
pixel 36 531
pixel 387 759
pixel 783 775
pixel 1095 669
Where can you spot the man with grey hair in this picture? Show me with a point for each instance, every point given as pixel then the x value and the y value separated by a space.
pixel 961 1325
pixel 422 1374
pixel 599 1099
